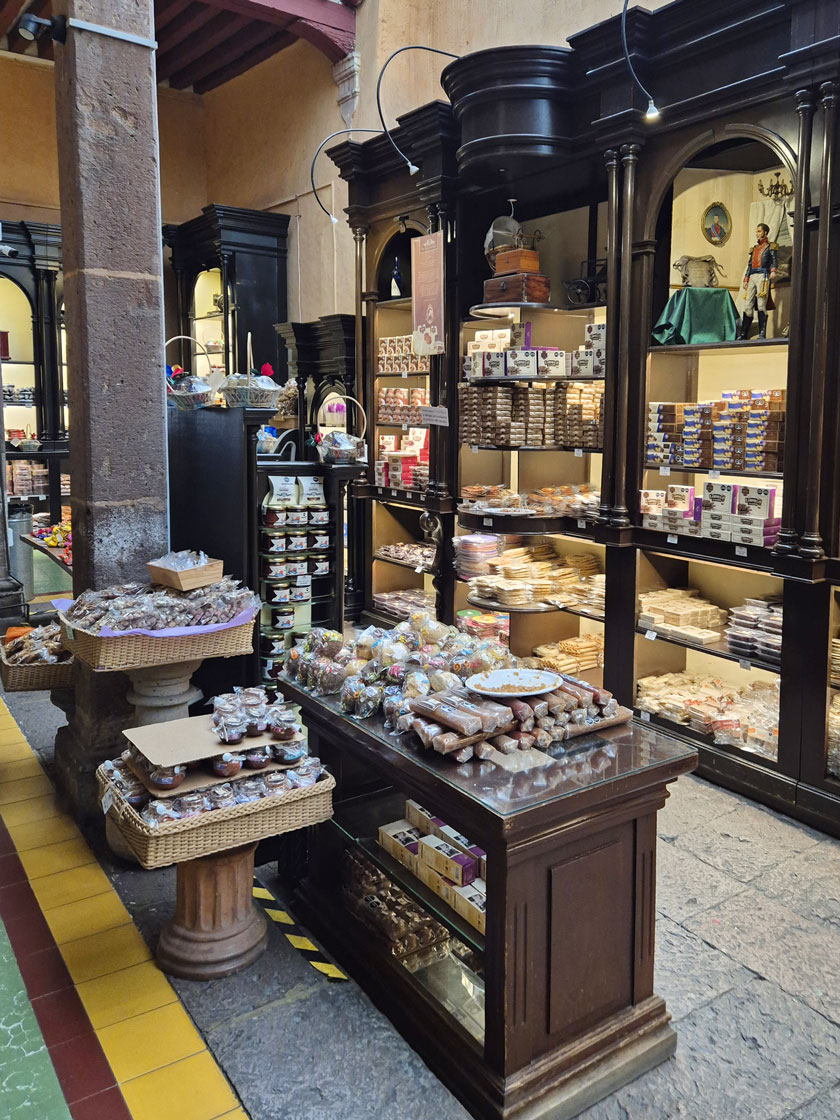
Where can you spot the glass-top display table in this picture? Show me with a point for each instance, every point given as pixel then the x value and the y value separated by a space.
pixel 552 1006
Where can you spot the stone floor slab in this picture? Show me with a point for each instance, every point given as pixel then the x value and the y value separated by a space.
pixel 689 972
pixel 754 1053
pixel 347 1062
pixel 809 883
pixel 824 1107
pixel 686 885
pixel 693 802
pixel 801 956
pixel 748 842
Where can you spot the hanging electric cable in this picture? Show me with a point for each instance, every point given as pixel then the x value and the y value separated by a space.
pixel 412 167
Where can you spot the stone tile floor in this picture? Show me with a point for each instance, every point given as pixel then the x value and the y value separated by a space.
pixel 748 961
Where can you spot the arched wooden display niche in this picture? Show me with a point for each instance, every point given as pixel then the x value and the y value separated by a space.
pixel 717 175
pixel 396 249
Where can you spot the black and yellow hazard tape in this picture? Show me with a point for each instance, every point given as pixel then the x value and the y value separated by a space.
pixel 296 936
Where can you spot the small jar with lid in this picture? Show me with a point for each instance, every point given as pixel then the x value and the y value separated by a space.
pixel 296 516
pixel 249 789
pixel 278 592
pixel 275 782
pixel 318 541
pixel 298 566
pixel 159 812
pixel 272 643
pixel 230 729
pixel 273 566
pixel 319 515
pixel 282 618
pixel 227 765
pixel 272 542
pixel 167 777
pixel 257 757
pixel 272 668
pixel 301 593
pixel 272 518
pixel 191 804
pixel 221 797
pixel 319 565
pixel 296 540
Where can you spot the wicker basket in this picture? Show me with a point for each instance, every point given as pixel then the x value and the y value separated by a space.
pixel 139 651
pixel 190 401
pixel 208 833
pixel 39 677
pixel 250 396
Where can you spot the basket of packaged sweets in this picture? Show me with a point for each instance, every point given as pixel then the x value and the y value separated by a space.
pixel 36 661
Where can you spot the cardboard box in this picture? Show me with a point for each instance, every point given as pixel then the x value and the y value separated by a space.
pixel 756 501
pixel 401 841
pixel 453 837
pixel 447 860
pixel 422 819
pixel 520 336
pixel 651 501
pixel 430 878
pixel 521 363
pixel 471 904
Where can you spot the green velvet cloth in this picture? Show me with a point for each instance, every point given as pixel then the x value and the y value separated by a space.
pixel 695 315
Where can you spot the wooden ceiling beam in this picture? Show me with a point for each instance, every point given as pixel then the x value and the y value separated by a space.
pixel 167 10
pixel 326 25
pixel 184 27
pixel 10 11
pixel 232 69
pixel 172 64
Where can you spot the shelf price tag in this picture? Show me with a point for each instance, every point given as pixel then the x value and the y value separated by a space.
pixel 393 493
pixel 404 373
pixel 578 452
pixel 434 414
pixel 487 521
pixel 405 427
pixel 744 664
pixel 650 635
pixel 645 717
pixel 740 550
pixel 474 450
pixel 303 581
pixel 107 800
pixel 673 538
pixel 419 569
pixel 714 474
pixel 664 471
pixel 581 522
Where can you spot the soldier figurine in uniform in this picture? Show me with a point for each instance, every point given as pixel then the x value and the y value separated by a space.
pixel 760 273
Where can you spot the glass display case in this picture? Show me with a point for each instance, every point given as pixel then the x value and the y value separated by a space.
pixel 212 348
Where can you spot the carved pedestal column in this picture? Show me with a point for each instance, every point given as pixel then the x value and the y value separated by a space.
pixel 163 692
pixel 216 929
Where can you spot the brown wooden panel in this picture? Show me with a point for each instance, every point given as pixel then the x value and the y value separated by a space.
pixel 9 12
pixel 198 51
pixel 590 962
pixel 645 907
pixel 259 54
pixel 166 11
pixel 185 25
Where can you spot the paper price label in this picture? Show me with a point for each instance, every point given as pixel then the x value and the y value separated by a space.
pixel 419 569
pixel 664 471
pixel 404 373
pixel 434 414
pixel 744 664
pixel 303 581
pixel 107 800
pixel 673 538
pixel 474 450
pixel 405 427
pixel 380 490
pixel 714 474
pixel 740 550
pixel 581 523
pixel 393 493
pixel 578 452
pixel 645 717
pixel 650 635
pixel 487 521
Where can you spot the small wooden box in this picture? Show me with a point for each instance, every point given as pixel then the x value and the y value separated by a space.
pixel 188 579
pixel 516 260
pixel 518 287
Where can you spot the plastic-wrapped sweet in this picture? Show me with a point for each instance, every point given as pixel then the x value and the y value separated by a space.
pixel 249 789
pixel 298 780
pixel 390 652
pixel 331 642
pixel 191 804
pixel 418 619
pixel 407 638
pixel 257 758
pixel 371 672
pixel 433 631
pixel 292 662
pixel 159 812
pixel 288 752
pixel 344 656
pixel 396 673
pixel 282 723
pixel 167 777
pixel 440 680
pixel 351 690
pixel 368 702
pixel 366 640
pixel 463 662
pixel 436 663
pixel 227 765
pixel 327 678
pixel 355 666
pixel 221 797
pixel 311 765
pixel 231 729
pixel 415 684
pixel 305 670
pixel 276 782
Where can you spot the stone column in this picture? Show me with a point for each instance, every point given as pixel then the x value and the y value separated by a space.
pixel 106 116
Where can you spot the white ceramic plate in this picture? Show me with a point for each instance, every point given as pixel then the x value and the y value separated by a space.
pixel 510 684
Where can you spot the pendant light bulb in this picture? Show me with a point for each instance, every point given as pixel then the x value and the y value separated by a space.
pixel 652 113
pixel 333 219
pixel 413 169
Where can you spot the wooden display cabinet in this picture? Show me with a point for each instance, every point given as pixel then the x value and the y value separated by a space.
pixel 564 971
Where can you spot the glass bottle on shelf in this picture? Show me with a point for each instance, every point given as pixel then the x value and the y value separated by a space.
pixel 396 280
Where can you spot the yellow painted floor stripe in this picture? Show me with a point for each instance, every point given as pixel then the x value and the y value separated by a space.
pixel 261 892
pixel 328 969
pixel 301 942
pixel 126 1021
pixel 280 916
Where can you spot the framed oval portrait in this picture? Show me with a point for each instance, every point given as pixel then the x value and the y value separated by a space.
pixel 716 224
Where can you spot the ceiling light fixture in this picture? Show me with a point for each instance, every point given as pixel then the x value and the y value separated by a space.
pixel 326 140
pixel 651 113
pixel 31 27
pixel 412 167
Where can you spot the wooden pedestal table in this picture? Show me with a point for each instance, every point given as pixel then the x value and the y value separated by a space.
pixel 161 693
pixel 564 968
pixel 216 929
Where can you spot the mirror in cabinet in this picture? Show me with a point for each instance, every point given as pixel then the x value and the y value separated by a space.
pixel 708 654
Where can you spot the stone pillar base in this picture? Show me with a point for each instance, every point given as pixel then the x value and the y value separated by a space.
pixel 216 929
pixel 163 693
